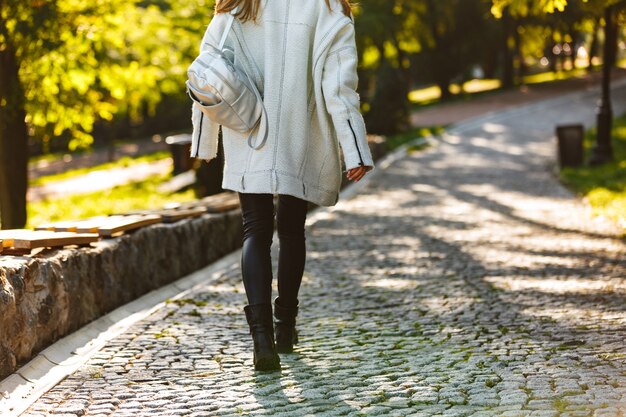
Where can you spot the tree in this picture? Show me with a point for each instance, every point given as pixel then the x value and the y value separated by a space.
pixel 382 29
pixel 611 9
pixel 453 41
pixel 16 19
pixel 404 42
pixel 603 150
pixel 68 63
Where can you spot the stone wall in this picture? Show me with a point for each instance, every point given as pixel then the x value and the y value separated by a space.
pixel 48 295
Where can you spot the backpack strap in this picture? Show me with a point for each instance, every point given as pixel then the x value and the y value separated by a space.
pixel 262 125
pixel 229 25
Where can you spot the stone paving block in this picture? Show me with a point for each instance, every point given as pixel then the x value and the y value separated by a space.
pixel 483 401
pixel 540 404
pixel 544 413
pixel 515 413
pixel 576 413
pixel 606 412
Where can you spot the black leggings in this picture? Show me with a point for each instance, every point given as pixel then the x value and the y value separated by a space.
pixel 257 211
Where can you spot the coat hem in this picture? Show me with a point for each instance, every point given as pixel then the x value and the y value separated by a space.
pixel 259 183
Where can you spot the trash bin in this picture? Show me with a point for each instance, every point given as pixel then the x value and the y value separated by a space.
pixel 180 148
pixel 570 145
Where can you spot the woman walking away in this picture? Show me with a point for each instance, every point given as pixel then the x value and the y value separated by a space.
pixel 301 55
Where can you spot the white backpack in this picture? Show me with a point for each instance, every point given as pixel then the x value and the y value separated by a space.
pixel 225 93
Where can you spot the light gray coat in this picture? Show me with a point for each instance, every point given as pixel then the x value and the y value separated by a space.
pixel 302 57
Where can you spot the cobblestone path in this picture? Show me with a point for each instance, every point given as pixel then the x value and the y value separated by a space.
pixel 461 281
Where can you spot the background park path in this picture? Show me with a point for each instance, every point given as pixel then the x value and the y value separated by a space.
pixel 459 281
pixel 445 113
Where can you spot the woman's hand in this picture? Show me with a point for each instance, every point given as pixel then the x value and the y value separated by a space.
pixel 355 174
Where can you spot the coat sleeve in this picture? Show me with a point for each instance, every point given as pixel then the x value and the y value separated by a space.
pixel 339 84
pixel 205 132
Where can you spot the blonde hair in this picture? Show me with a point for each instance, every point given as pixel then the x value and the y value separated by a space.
pixel 249 9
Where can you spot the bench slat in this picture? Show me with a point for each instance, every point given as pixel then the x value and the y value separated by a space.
pixel 8 235
pixel 31 239
pixel 171 216
pixel 115 224
pixel 55 239
pixel 87 225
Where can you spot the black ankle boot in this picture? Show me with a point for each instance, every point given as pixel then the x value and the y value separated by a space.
pixel 285 324
pixel 259 318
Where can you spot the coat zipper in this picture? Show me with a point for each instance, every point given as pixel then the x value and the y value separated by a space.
pixel 356 143
pixel 199 134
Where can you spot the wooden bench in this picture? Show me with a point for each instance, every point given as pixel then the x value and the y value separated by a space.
pixel 22 241
pixel 85 231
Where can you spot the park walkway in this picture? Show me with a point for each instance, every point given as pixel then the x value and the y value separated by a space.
pixel 460 281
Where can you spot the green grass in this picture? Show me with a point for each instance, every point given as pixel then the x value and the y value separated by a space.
pixel 395 141
pixel 124 161
pixel 184 301
pixel 432 94
pixel 133 196
pixel 603 186
pixel 551 76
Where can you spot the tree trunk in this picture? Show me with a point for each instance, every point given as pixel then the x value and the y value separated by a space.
pixel 508 76
pixel 573 46
pixel 438 54
pixel 444 86
pixel 593 47
pixel 521 68
pixel 614 39
pixel 13 140
pixel 603 149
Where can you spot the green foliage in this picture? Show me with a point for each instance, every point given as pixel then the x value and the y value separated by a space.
pixel 86 61
pixel 404 42
pixel 550 76
pixel 432 95
pixel 603 186
pixel 539 7
pixel 525 7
